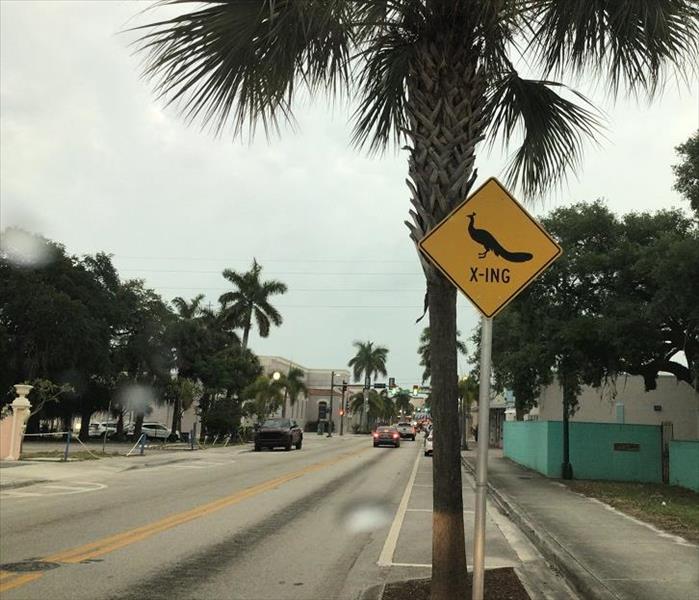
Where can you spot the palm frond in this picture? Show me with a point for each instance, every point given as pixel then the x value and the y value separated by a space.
pixel 241 59
pixel 553 128
pixel 630 44
pixel 381 116
pixel 262 323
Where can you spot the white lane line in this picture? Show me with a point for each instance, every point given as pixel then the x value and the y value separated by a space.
pixel 389 547
pixel 62 490
pixel 66 487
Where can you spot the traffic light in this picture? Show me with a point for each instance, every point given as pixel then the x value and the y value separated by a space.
pixel 342 412
pixel 416 389
pixel 344 387
pixel 391 382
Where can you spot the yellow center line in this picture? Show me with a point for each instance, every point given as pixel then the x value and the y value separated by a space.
pixel 11 580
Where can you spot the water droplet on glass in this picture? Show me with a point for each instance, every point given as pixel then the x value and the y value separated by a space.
pixel 23 249
pixel 365 515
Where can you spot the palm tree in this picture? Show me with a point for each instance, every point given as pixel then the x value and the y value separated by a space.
pixel 251 298
pixel 370 362
pixel 379 406
pixel 189 310
pixel 424 351
pixel 264 396
pixel 437 77
pixel 293 385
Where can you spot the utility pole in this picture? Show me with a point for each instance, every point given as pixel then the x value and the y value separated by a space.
pixel 332 390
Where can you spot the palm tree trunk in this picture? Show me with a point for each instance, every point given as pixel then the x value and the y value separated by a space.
pixel 446 99
pixel 246 333
pixel 448 543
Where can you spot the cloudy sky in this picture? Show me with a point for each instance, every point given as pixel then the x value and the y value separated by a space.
pixel 90 159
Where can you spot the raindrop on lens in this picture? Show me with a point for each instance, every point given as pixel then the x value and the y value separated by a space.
pixel 365 515
pixel 22 249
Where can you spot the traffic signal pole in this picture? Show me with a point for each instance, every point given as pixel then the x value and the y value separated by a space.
pixel 332 391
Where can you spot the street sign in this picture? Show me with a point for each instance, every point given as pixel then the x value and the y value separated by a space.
pixel 490 247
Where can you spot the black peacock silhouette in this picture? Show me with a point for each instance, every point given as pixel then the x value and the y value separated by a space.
pixel 488 241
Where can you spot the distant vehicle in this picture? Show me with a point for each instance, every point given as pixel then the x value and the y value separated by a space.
pixel 152 429
pixel 386 435
pixel 275 433
pixel 429 446
pixel 98 429
pixel 406 430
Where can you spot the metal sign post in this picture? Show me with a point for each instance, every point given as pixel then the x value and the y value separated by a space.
pixel 491 249
pixel 482 464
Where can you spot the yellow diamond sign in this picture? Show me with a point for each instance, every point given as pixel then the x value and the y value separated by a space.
pixel 490 247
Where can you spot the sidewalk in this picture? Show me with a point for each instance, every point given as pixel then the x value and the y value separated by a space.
pixel 603 553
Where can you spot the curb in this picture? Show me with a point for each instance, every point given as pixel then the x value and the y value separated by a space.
pixel 578 577
pixel 20 484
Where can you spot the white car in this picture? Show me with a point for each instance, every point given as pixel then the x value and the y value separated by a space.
pixel 152 430
pixel 98 429
pixel 429 445
pixel 406 430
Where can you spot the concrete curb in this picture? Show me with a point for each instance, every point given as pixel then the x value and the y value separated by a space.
pixel 20 484
pixel 578 577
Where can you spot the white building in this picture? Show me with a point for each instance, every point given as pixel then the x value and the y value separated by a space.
pixel 627 402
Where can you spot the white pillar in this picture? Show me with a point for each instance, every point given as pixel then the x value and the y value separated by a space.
pixel 20 415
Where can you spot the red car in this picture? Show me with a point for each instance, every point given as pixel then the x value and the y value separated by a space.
pixel 386 436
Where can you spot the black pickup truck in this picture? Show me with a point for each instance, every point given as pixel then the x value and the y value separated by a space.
pixel 275 433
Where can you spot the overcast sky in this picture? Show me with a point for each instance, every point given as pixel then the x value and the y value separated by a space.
pixel 88 158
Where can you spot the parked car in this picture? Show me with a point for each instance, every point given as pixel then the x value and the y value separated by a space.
pixel 406 430
pixel 98 429
pixel 386 435
pixel 429 445
pixel 275 433
pixel 153 430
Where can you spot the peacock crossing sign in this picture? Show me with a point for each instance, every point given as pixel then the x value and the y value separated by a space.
pixel 490 247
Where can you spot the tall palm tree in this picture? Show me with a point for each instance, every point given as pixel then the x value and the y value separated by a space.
pixel 250 299
pixel 437 77
pixel 369 361
pixel 424 351
pixel 293 384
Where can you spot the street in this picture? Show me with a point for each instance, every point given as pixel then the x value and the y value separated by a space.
pixel 328 521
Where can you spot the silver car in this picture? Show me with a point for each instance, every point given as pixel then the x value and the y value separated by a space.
pixel 429 445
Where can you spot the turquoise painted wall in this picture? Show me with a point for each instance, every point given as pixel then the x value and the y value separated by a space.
pixel 529 443
pixel 539 446
pixel 684 464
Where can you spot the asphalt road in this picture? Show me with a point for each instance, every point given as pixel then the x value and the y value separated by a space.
pixel 327 521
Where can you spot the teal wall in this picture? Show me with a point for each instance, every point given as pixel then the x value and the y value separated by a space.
pixel 684 464
pixel 539 446
pixel 530 443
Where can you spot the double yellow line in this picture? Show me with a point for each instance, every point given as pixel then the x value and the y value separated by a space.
pixel 10 580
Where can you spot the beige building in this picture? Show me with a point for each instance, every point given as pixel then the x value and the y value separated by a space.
pixel 318 400
pixel 627 402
